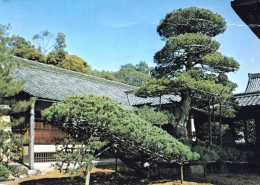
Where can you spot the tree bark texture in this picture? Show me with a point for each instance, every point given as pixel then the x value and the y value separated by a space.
pixel 184 113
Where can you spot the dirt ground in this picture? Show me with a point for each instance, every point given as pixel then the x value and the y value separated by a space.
pixel 101 176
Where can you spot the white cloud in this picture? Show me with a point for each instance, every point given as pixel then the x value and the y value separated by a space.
pixel 239 25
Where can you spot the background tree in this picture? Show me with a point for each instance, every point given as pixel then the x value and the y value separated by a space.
pixel 103 74
pixel 142 66
pixel 43 40
pixel 190 60
pixel 11 145
pixel 207 155
pixel 135 75
pixel 58 54
pixel 54 53
pixel 136 141
pixel 75 63
pixel 24 49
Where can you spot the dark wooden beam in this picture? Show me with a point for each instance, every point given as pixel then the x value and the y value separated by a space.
pixel 249 12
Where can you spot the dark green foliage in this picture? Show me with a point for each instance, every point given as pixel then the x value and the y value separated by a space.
pixel 10 144
pixel 250 131
pixel 191 63
pixel 248 127
pixel 143 67
pixel 207 154
pixel 8 86
pixel 24 49
pixel 230 154
pixel 54 58
pixel 151 115
pixel 191 20
pixel 155 87
pixel 217 130
pixel 136 140
pixel 4 173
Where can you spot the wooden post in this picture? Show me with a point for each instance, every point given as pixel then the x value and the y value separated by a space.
pixel 205 170
pixel 116 165
pixel 87 180
pixel 31 134
pixel 220 123
pixel 210 128
pixel 182 173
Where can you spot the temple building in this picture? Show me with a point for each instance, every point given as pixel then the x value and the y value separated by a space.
pixel 45 84
pixel 249 101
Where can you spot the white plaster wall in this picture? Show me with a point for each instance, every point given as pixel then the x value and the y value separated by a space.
pixel 44 148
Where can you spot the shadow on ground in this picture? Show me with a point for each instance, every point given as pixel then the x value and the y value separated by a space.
pixel 98 178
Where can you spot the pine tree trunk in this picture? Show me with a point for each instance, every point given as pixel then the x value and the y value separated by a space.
pixel 87 182
pixel 184 113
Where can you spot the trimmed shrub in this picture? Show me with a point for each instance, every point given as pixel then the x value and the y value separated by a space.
pixel 4 173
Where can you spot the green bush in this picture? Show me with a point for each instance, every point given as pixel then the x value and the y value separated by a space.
pixel 16 171
pixel 207 154
pixel 4 173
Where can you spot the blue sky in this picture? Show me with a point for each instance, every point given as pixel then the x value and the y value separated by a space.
pixel 111 33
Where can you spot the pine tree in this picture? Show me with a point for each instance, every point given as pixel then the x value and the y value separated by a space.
pixel 190 61
pixel 11 108
pixel 136 141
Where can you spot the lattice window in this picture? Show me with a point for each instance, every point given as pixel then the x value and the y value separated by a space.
pixel 44 157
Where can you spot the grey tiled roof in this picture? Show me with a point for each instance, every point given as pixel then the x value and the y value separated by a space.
pixel 248 99
pixel 253 84
pixel 53 83
pixel 251 96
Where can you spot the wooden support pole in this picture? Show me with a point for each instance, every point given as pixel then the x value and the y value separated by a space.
pixel 205 170
pixel 116 165
pixel 220 123
pixel 182 173
pixel 87 180
pixel 210 127
pixel 31 134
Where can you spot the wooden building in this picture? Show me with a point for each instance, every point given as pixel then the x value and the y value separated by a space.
pixel 46 84
pixel 249 103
